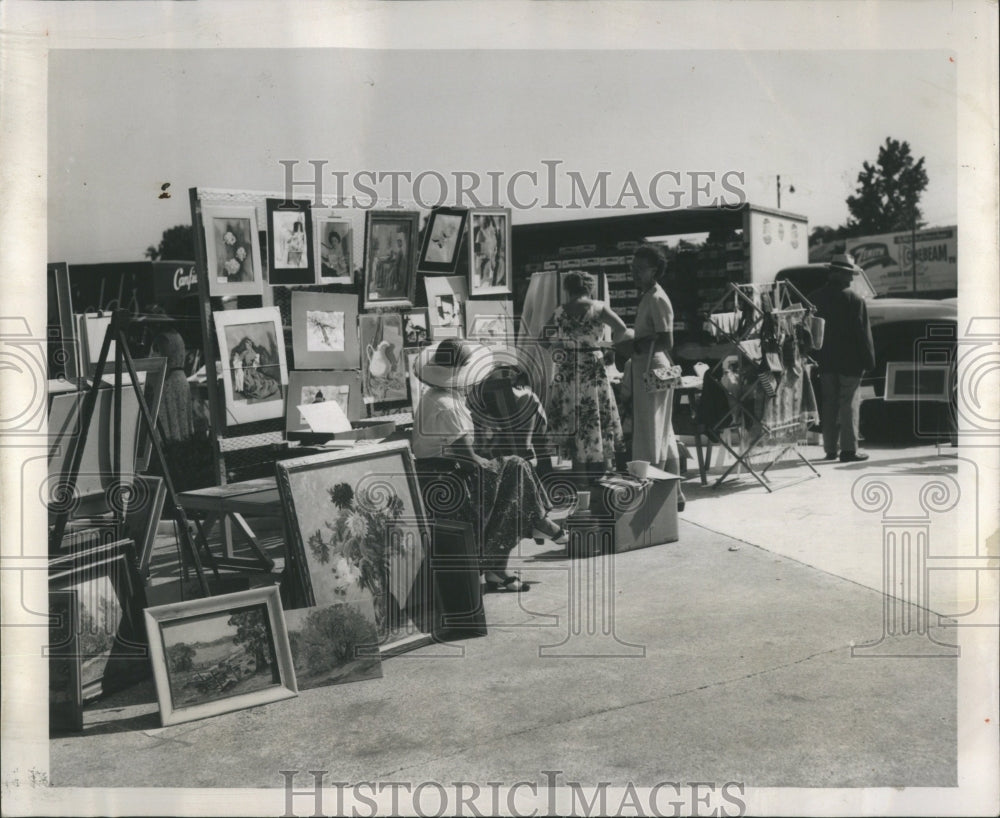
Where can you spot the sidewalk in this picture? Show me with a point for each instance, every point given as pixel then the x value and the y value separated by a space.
pixel 729 660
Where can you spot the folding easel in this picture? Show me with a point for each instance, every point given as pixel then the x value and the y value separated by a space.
pixel 117 332
pixel 752 302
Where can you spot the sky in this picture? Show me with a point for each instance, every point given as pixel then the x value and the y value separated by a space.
pixel 123 122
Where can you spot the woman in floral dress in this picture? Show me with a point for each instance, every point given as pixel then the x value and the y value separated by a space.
pixel 583 415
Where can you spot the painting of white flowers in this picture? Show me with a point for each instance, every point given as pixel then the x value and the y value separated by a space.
pixel 232 250
pixel 325 330
pixel 358 535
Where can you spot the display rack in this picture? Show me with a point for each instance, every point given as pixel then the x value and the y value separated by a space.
pixel 768 417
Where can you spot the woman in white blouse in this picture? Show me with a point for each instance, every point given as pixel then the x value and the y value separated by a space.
pixel 502 497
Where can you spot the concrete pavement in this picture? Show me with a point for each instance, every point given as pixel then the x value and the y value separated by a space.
pixel 730 660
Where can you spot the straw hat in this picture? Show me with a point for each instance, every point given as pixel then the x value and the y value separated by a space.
pixel 454 364
pixel 844 263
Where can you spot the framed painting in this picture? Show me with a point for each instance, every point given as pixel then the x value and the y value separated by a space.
pixel 95 474
pixel 907 381
pixel 324 330
pixel 446 295
pixel 65 687
pixel 153 373
pixel 357 533
pixel 442 240
pixel 334 248
pixel 490 322
pixel 489 251
pixel 458 598
pixel 334 644
pixel 219 654
pixel 109 603
pixel 232 250
pixel 252 349
pixel 383 377
pixel 290 251
pixel 142 515
pixel 415 330
pixel 390 247
pixel 316 387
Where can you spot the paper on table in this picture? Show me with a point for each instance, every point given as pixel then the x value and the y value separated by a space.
pixel 653 473
pixel 326 417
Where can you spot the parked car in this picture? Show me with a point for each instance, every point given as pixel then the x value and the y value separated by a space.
pixel 904 330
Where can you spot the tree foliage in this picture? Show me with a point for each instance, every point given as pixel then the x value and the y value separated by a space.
pixel 252 634
pixel 180 657
pixel 888 194
pixel 332 636
pixel 176 244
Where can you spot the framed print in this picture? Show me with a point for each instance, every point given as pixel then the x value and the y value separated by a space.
pixel 382 367
pixel 390 247
pixel 65 686
pixel 445 297
pixel 489 251
pixel 316 387
pixel 252 348
pixel 109 603
pixel 219 654
pixel 334 644
pixel 357 532
pixel 442 240
pixel 334 248
pixel 290 258
pixel 415 330
pixel 490 322
pixel 232 250
pixel 325 330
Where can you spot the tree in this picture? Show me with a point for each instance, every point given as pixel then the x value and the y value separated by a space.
pixel 177 244
pixel 180 657
pixel 888 194
pixel 252 634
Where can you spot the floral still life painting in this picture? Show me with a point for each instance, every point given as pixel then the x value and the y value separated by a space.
pixel 358 532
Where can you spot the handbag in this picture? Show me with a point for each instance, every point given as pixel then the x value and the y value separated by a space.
pixel 661 378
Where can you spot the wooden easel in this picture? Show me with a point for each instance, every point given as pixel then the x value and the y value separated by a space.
pixel 116 333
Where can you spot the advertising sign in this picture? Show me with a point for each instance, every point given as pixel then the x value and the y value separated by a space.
pixel 174 278
pixel 891 258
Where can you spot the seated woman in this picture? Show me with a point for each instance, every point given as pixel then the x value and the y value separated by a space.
pixel 505 498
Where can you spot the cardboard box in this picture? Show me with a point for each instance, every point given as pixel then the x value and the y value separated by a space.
pixel 626 514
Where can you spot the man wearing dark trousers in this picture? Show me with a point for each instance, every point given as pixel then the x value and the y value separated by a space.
pixel 847 353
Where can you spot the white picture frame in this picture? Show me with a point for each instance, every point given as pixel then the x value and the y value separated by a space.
pixel 255 386
pixel 234 266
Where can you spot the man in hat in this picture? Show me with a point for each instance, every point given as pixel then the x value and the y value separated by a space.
pixel 847 353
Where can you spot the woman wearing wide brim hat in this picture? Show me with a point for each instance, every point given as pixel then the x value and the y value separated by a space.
pixel 502 498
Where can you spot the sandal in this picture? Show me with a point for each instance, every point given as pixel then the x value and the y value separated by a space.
pixel 560 537
pixel 508 584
